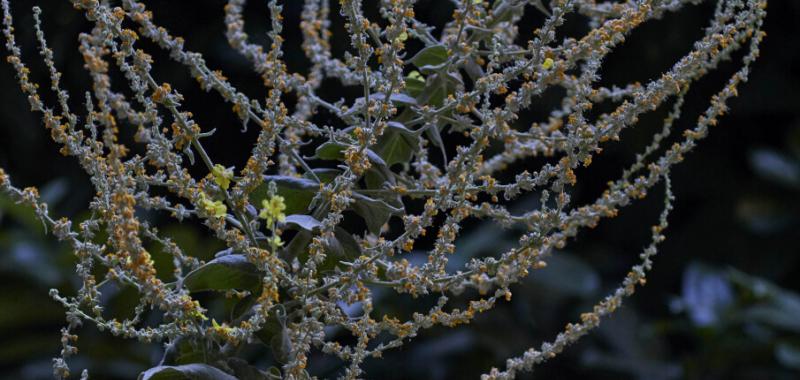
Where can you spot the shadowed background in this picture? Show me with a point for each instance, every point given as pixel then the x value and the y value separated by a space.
pixel 721 302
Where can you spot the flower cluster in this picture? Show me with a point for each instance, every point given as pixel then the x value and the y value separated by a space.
pixel 272 210
pixel 470 78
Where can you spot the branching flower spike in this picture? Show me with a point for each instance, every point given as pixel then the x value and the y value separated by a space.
pixel 307 235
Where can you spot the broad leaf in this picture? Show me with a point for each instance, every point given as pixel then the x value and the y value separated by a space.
pixel 330 151
pixel 374 211
pixel 326 175
pixel 430 57
pixel 194 371
pixel 414 86
pixel 224 273
pixel 305 222
pixel 244 371
pixel 343 246
pixel 183 350
pixel 296 192
pixel 335 151
pixel 399 98
pixel 397 144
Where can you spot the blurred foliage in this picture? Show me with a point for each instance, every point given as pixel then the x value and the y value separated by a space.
pixel 721 303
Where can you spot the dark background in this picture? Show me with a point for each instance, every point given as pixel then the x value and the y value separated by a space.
pixel 721 302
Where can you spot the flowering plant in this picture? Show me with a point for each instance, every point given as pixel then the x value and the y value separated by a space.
pixel 309 237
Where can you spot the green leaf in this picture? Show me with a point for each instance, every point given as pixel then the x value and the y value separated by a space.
pixel 305 222
pixel 281 345
pixel 184 350
pixel 344 246
pixel 224 273
pixel 414 86
pixel 244 371
pixel 297 246
pixel 330 151
pixel 375 212
pixel 194 371
pixel 399 98
pixel 378 180
pixel 398 144
pixel 296 192
pixel 326 175
pixel 430 57
pixel 334 151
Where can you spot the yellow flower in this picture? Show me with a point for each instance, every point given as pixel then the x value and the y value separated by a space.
pixel 275 241
pixel 548 63
pixel 197 312
pixel 222 176
pixel 223 329
pixel 272 209
pixel 215 208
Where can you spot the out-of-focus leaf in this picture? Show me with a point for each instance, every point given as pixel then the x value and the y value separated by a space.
pixel 706 294
pixel 20 213
pixel 439 348
pixel 487 238
pixel 54 191
pixel 776 167
pixel 567 274
pixel 23 348
pixel 764 215
pixel 788 355
pixel 31 259
pixel 775 306
pixel 185 372
pixel 639 368
pixel 773 315
pixel 24 307
pixel 224 273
